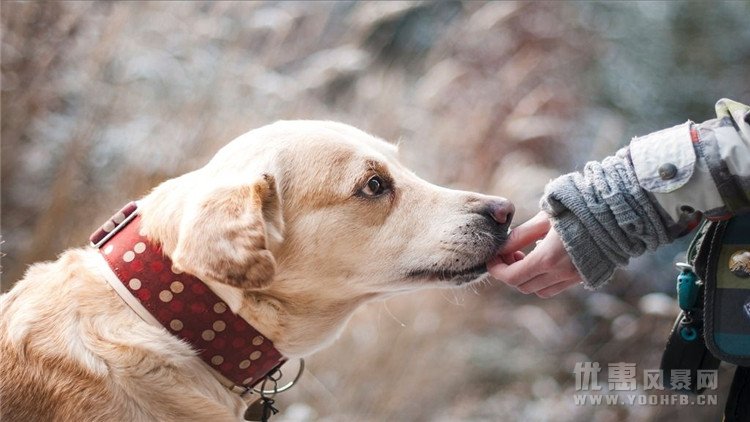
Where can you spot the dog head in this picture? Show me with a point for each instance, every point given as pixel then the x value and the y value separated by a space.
pixel 314 216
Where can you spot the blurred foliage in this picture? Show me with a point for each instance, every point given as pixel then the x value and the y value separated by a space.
pixel 102 101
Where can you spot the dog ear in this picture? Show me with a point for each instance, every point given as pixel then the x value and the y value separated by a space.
pixel 225 236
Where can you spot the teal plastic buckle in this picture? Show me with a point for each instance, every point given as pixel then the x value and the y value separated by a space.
pixel 688 287
pixel 688 291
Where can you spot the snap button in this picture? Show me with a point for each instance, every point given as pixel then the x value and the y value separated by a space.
pixel 739 263
pixel 667 171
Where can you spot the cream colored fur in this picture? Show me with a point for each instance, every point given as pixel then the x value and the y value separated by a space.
pixel 279 225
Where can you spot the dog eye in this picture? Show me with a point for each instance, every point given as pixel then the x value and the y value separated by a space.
pixel 375 186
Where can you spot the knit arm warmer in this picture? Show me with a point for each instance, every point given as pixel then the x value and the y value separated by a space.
pixel 604 217
pixel 646 195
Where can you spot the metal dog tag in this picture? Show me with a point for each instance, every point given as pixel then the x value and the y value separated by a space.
pixel 254 412
pixel 261 410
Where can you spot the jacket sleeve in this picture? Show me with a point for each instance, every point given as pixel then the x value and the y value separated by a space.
pixel 652 192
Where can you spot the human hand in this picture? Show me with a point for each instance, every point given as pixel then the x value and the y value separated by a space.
pixel 546 271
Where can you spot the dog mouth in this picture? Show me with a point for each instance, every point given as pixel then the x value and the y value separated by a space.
pixel 449 274
pixel 470 264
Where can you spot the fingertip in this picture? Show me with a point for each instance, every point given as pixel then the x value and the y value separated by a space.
pixel 508 258
pixel 495 269
pixel 496 260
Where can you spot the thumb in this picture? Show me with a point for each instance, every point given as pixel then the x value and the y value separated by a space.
pixel 527 233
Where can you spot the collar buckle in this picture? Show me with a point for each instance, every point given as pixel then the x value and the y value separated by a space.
pixel 114 224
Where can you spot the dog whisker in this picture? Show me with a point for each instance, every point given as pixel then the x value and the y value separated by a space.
pixel 387 309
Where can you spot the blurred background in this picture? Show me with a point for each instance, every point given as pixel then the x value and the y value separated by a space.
pixel 102 101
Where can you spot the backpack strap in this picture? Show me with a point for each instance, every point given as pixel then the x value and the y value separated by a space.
pixel 727 295
pixel 738 402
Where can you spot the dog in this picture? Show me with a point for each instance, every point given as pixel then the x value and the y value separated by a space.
pixel 293 226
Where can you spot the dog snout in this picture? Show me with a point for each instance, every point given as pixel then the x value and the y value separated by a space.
pixel 497 209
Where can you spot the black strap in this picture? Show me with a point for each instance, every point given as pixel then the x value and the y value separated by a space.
pixel 685 350
pixel 738 402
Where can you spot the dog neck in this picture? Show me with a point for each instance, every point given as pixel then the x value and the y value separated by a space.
pixel 300 320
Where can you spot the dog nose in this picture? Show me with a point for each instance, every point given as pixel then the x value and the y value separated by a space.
pixel 501 210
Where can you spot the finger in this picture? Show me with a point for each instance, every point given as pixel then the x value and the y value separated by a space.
pixel 510 258
pixel 517 273
pixel 527 233
pixel 507 259
pixel 558 288
pixel 540 282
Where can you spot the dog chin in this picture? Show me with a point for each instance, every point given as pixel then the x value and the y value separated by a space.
pixel 469 279
pixel 452 276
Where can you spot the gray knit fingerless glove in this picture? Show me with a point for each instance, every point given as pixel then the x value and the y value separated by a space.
pixel 604 217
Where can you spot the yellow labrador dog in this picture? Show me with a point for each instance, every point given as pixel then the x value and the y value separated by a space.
pixel 293 225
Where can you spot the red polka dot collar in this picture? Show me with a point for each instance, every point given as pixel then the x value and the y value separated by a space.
pixel 183 304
